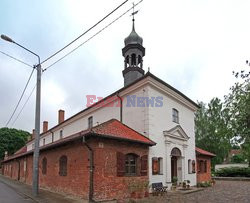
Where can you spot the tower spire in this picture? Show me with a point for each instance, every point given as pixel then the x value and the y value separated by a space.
pixel 133 53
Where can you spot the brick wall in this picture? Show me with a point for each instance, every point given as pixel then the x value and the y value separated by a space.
pixel 203 176
pixel 107 185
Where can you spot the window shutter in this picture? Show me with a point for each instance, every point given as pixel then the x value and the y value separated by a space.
pixel 193 166
pixel 155 166
pixel 144 165
pixel 120 164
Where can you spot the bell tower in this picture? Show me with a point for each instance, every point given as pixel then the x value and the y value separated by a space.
pixel 133 54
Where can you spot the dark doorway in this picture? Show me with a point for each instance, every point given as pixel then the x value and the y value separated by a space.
pixel 175 154
pixel 173 167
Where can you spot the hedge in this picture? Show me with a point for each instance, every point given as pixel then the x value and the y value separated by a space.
pixel 233 172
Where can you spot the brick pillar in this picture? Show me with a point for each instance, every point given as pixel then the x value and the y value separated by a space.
pixel 45 126
pixel 60 116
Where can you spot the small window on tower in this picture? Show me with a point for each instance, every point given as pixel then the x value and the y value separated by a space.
pixel 127 61
pixel 140 61
pixel 133 60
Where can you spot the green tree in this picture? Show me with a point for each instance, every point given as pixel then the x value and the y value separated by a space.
pixel 212 132
pixel 238 104
pixel 11 140
pixel 238 158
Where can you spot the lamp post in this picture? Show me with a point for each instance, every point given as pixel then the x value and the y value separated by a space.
pixel 35 176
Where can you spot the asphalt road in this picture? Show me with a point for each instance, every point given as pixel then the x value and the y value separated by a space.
pixel 8 195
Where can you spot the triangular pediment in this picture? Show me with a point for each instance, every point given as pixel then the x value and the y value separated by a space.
pixel 176 132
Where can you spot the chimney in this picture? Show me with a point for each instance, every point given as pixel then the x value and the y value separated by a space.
pixel 45 126
pixel 33 134
pixel 60 116
pixel 5 155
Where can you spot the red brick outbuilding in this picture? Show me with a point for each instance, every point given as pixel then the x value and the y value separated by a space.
pixel 203 163
pixel 117 155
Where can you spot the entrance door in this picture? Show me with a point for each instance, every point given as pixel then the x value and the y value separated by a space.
pixel 173 167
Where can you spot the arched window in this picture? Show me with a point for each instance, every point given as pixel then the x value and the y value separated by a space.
pixel 44 166
pixel 133 60
pixel 175 152
pixel 175 115
pixel 189 166
pixel 130 164
pixel 127 61
pixel 140 61
pixel 63 166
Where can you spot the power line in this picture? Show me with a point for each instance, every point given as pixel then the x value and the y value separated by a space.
pixel 64 57
pixel 91 37
pixel 23 105
pixel 20 97
pixel 85 31
pixel 16 59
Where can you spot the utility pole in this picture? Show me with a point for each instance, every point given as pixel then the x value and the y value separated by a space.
pixel 35 177
pixel 35 174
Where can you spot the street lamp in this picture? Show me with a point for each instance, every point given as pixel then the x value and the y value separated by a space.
pixel 35 178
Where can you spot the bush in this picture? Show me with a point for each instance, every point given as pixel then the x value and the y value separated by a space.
pixel 204 184
pixel 233 172
pixel 238 158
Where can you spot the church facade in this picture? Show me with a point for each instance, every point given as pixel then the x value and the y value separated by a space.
pixel 161 117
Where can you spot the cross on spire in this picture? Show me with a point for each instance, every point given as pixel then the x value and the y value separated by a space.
pixel 134 12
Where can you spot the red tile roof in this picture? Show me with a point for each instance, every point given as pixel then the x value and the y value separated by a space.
pixel 21 150
pixel 112 129
pixel 203 152
pixel 115 129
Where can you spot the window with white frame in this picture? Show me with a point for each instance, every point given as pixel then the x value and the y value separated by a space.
pixel 52 136
pixel 61 134
pixel 175 115
pixel 190 166
pixel 90 122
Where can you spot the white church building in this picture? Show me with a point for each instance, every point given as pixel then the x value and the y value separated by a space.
pixel 148 105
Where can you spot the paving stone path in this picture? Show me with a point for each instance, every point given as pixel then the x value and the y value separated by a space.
pixel 222 191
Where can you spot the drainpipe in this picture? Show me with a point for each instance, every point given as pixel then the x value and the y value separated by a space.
pixel 91 170
pixel 120 106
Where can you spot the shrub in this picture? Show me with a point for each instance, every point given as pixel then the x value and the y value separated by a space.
pixel 238 158
pixel 233 172
pixel 204 184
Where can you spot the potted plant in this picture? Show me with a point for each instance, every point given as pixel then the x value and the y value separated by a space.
pixel 188 184
pixel 145 187
pixel 174 182
pixel 184 184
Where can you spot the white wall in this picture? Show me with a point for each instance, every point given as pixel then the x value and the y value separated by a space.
pixel 150 121
pixel 160 119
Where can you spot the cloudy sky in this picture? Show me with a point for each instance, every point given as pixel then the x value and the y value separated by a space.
pixel 194 45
